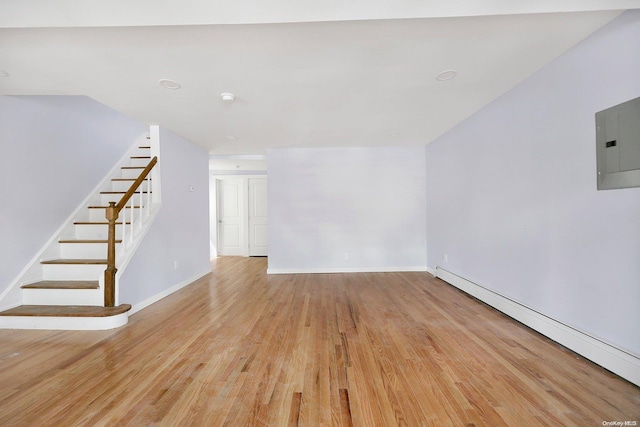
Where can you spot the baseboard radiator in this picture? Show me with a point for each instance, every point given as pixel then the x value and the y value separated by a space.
pixel 616 360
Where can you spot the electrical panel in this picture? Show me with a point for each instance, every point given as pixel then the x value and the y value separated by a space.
pixel 618 146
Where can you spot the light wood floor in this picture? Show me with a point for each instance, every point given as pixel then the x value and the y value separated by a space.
pixel 238 348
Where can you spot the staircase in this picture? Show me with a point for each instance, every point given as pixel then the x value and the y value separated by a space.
pixel 70 290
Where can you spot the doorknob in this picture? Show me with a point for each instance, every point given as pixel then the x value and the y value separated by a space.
pixel 220 221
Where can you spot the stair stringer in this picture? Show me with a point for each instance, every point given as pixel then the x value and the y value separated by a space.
pixel 33 271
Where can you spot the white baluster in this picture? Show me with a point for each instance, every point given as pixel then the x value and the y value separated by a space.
pixel 148 208
pixel 140 208
pixel 123 216
pixel 133 209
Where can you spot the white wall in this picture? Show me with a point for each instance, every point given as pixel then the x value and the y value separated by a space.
pixel 367 202
pixel 55 150
pixel 512 196
pixel 176 250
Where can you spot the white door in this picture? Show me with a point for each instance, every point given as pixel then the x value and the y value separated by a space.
pixel 257 217
pixel 230 216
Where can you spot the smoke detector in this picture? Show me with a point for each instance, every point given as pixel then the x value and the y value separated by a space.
pixel 227 97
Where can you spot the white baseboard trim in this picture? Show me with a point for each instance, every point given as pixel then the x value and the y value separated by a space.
pixel 157 297
pixel 431 271
pixel 345 270
pixel 618 361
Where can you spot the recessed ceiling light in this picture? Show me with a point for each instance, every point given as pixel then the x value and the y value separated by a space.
pixel 395 133
pixel 231 137
pixel 169 84
pixel 3 73
pixel 446 75
pixel 227 97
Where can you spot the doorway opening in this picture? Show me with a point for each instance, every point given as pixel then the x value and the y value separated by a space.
pixel 238 206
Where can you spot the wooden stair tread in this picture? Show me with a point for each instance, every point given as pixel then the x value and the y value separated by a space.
pixel 140 157
pixel 126 179
pixel 105 207
pixel 145 146
pixel 75 261
pixel 86 241
pixel 97 223
pixel 133 167
pixel 66 310
pixel 63 284
pixel 122 192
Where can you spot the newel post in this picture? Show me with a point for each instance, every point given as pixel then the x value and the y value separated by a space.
pixel 110 272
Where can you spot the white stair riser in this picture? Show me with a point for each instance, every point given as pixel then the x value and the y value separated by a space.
pixel 64 323
pixel 95 232
pixel 106 198
pixel 130 173
pixel 72 272
pixel 63 297
pixel 124 185
pixel 84 250
pixel 99 215
pixel 140 162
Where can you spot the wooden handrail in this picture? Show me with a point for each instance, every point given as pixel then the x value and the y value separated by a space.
pixel 112 213
pixel 121 204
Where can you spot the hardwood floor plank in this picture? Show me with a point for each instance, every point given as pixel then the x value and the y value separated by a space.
pixel 238 347
pixel 294 413
pixel 345 408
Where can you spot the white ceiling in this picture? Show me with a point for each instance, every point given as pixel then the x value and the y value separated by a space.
pixel 304 73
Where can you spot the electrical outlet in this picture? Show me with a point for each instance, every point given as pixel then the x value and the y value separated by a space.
pixel 446 258
pixel 346 256
pixel 175 264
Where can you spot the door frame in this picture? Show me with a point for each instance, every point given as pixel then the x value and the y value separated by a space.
pixel 213 203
